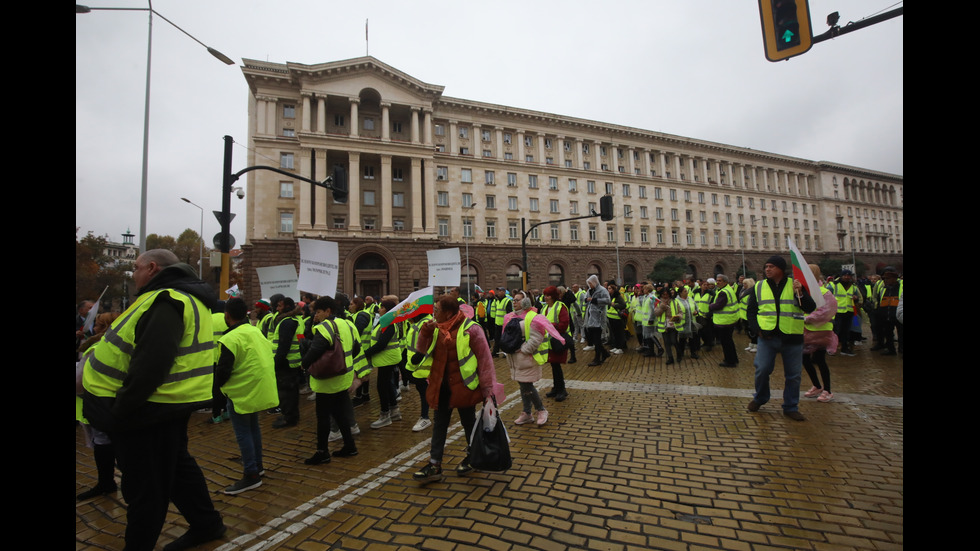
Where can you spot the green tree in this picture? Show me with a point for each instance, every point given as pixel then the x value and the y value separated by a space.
pixel 668 269
pixel 832 266
pixel 188 248
pixel 95 272
pixel 154 241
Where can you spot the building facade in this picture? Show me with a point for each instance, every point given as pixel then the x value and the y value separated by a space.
pixel 428 171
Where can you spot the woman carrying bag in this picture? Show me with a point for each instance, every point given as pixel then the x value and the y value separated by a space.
pixel 332 336
pixel 461 375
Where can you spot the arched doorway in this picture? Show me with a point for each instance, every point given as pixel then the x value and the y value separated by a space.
pixel 556 275
pixel 371 275
pixel 514 280
pixel 629 275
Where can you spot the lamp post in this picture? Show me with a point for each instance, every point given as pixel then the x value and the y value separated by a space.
pixel 80 9
pixel 200 261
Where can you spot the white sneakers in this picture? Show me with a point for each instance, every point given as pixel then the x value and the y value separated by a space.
pixel 616 351
pixel 421 424
pixel 335 434
pixel 382 421
pixel 588 348
pixel 523 419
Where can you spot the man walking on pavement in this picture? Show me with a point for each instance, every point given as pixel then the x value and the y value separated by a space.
pixel 152 369
pixel 777 307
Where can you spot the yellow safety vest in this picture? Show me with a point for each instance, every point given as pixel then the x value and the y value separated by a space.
pixel 293 356
pixel 729 314
pixel 541 354
pixel 190 377
pixel 252 386
pixel 391 354
pixel 332 329
pixel 465 355
pixel 788 318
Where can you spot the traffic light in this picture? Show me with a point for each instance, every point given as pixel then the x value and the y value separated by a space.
pixel 786 30
pixel 339 184
pixel 606 208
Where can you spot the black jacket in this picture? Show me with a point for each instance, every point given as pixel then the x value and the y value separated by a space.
pixel 157 337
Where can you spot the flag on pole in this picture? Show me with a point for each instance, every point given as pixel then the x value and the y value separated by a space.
pixel 803 274
pixel 419 302
pixel 93 312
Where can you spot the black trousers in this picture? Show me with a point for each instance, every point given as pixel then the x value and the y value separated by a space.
pixel 157 469
pixel 441 419
pixel 726 338
pixel 288 381
pixel 338 406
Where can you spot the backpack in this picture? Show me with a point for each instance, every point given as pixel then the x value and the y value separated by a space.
pixel 512 336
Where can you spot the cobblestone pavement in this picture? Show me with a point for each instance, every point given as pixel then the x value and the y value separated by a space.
pixel 641 456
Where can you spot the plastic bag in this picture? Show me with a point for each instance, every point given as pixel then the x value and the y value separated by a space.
pixel 489 443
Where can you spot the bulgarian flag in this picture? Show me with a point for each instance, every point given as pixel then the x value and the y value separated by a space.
pixel 803 274
pixel 419 302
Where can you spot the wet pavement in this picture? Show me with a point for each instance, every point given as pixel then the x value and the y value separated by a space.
pixel 641 456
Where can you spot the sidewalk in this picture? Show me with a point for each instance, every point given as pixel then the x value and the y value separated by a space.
pixel 641 456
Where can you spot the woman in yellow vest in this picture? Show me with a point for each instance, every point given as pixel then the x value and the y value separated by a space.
pixel 819 339
pixel 461 375
pixel 332 396
pixel 385 353
pixel 557 313
pixel 525 364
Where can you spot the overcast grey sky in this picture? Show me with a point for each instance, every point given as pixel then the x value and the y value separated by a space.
pixel 694 69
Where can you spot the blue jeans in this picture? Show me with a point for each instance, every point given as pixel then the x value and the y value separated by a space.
pixel 765 363
pixel 249 438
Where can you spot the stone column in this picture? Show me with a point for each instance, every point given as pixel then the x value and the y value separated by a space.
pixel 260 115
pixel 321 115
pixel 386 124
pixel 453 138
pixel 499 154
pixel 414 113
pixel 354 186
pixel 417 197
pixel 354 125
pixel 301 199
pixel 321 221
pixel 427 127
pixel 307 111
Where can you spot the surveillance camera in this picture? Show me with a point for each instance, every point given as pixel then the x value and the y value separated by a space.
pixel 240 193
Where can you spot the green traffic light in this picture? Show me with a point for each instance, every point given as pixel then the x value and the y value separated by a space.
pixel 788 36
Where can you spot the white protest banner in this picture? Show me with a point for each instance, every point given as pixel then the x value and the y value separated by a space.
pixel 278 279
pixel 318 267
pixel 444 267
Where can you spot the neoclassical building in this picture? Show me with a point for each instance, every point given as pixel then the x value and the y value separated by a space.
pixel 428 171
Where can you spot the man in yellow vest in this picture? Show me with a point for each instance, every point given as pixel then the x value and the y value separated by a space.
pixel 777 307
pixel 245 374
pixel 285 343
pixel 151 370
pixel 724 314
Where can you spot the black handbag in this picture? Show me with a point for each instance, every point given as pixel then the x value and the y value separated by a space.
pixel 490 448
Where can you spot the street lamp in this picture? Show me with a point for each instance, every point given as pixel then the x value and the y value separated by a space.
pixel 200 262
pixel 80 9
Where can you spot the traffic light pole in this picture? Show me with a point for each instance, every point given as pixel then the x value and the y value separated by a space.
pixel 836 30
pixel 224 218
pixel 527 232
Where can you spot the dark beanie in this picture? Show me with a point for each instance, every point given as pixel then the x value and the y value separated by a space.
pixel 777 261
pixel 388 304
